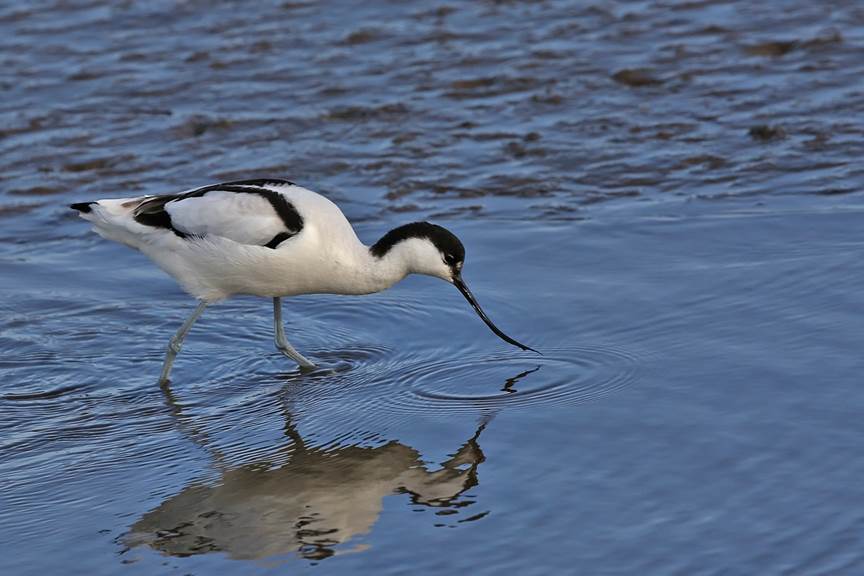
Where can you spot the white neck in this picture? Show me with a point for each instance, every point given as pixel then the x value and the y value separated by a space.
pixel 374 274
pixel 381 273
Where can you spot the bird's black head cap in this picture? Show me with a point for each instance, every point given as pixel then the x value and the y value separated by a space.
pixel 451 248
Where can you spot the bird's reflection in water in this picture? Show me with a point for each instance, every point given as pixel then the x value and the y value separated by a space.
pixel 317 501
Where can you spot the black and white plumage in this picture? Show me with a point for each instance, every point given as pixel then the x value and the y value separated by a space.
pixel 198 217
pixel 272 238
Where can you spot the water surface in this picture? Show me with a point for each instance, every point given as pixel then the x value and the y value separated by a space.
pixel 662 197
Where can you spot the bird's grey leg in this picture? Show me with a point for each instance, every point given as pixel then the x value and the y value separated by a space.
pixel 281 343
pixel 176 341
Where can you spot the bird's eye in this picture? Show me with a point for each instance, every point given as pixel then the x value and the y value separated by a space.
pixel 449 259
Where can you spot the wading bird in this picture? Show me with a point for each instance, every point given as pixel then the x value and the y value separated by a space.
pixel 272 238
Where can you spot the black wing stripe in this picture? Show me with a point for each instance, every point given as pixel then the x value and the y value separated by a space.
pixel 278 239
pixel 152 212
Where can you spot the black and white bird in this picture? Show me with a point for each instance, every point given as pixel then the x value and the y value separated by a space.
pixel 272 238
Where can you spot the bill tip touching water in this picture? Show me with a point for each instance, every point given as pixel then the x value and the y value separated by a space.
pixel 272 238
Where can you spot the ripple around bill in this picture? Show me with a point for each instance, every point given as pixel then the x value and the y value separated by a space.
pixel 563 376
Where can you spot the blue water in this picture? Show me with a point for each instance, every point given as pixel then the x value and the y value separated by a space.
pixel 694 289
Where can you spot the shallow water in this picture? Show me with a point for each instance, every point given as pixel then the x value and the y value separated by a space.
pixel 663 198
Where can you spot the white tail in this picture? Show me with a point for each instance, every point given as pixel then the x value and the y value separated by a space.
pixel 114 219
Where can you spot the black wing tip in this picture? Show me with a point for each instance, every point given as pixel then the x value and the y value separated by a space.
pixel 83 207
pixel 260 182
